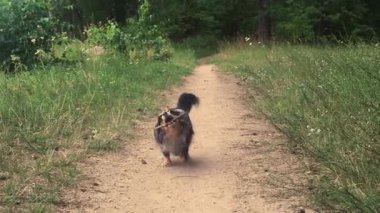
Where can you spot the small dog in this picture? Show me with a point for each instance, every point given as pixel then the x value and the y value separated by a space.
pixel 174 131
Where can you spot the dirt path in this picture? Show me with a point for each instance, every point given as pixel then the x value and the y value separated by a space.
pixel 239 162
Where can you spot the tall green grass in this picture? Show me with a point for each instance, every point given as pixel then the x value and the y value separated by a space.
pixel 52 116
pixel 327 100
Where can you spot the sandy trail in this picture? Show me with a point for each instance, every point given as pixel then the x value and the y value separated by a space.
pixel 239 162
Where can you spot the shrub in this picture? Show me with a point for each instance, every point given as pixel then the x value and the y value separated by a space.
pixel 140 39
pixel 26 26
pixel 136 41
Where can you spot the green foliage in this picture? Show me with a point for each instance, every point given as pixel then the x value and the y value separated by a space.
pixel 295 21
pixel 137 41
pixel 183 19
pixel 326 100
pixel 316 20
pixel 95 11
pixel 202 45
pixel 30 28
pixel 108 35
pixel 26 26
pixel 65 50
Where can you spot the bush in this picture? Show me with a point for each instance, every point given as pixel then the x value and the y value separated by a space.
pixel 136 41
pixel 26 26
pixel 140 39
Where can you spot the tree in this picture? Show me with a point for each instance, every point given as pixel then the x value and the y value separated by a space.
pixel 264 20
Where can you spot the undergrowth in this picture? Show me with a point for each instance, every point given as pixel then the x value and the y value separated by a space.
pixel 327 101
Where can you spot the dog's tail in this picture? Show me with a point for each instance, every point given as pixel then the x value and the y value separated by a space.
pixel 186 101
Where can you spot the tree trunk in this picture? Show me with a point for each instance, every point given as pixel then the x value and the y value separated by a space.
pixel 264 21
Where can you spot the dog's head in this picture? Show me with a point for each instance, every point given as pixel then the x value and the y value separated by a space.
pixel 169 116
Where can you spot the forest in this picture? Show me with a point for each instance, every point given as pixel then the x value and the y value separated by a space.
pixel 39 24
pixel 64 64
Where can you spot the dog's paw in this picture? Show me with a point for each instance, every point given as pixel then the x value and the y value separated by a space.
pixel 167 164
pixel 184 159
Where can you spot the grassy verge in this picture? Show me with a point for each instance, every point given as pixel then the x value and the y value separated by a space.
pixel 52 116
pixel 327 100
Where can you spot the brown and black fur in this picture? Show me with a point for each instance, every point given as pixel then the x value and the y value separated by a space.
pixel 174 134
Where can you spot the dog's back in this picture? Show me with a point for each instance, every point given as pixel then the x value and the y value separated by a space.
pixel 174 130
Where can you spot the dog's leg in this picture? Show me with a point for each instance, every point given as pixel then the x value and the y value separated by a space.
pixel 185 151
pixel 168 162
pixel 185 154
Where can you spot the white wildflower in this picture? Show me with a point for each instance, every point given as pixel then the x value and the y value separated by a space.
pixel 38 52
pixel 94 131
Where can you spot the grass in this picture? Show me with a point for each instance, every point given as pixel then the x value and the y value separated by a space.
pixel 52 116
pixel 327 101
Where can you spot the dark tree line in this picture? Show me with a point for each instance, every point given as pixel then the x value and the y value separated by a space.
pixel 37 23
pixel 263 19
